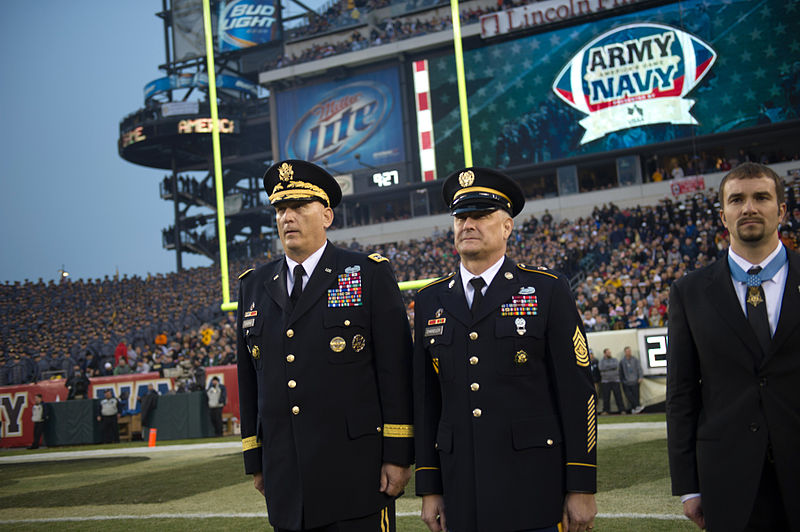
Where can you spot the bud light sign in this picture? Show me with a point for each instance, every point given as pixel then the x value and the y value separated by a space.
pixel 333 123
pixel 634 75
pixel 246 23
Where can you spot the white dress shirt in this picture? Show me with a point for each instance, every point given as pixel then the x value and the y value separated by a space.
pixel 308 265
pixel 487 276
pixel 773 288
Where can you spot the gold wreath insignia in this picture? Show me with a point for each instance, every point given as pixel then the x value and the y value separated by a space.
pixel 465 179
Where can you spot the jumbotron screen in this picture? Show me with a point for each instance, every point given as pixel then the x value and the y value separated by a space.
pixel 694 67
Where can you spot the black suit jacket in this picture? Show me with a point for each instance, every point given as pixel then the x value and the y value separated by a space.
pixel 324 390
pixel 504 405
pixel 723 408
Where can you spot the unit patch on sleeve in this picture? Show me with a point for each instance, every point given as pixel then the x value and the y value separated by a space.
pixel 348 294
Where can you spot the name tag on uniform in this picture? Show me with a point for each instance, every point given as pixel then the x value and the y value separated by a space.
pixel 434 331
pixel 246 324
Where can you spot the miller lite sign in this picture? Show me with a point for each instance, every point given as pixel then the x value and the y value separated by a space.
pixel 634 75
pixel 342 120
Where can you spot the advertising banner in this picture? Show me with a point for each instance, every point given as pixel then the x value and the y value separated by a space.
pixel 686 185
pixel 541 13
pixel 696 67
pixel 344 125
pixel 188 35
pixel 246 23
pixel 199 79
pixel 16 401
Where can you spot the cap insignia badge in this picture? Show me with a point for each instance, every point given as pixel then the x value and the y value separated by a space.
pixel 465 179
pixel 285 172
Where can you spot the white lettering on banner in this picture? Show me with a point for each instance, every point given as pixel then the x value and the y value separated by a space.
pixel 671 110
pixel 542 13
pixel 634 75
pixel 249 16
pixel 12 405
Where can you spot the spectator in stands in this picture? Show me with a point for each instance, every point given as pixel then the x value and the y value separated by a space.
pixel 108 416
pixel 632 376
pixel 217 397
pixel 122 367
pixel 609 382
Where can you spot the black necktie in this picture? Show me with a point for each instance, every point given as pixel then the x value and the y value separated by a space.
pixel 757 309
pixel 477 283
pixel 297 289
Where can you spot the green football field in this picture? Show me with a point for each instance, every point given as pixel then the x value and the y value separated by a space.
pixel 201 486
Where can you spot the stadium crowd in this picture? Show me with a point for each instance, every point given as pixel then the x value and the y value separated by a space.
pixel 111 326
pixel 620 263
pixel 391 29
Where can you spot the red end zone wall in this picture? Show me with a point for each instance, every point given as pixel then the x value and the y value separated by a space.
pixel 16 401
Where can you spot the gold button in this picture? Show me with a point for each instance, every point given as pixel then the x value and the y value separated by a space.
pixel 435 445
pixel 433 340
pixel 289 358
pixel 292 384
pixel 476 412
pixel 290 333
pixel 549 442
pixel 474 386
pixel 473 361
pixel 378 429
pixel 346 323
pixel 295 410
pixel 473 335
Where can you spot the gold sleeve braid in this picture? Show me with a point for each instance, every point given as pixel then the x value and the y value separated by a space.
pixel 250 443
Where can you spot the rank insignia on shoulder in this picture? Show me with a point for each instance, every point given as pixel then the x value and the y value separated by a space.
pixel 377 257
pixel 348 292
pixel 241 276
pixel 520 305
pixel 527 290
pixel 581 349
pixel 352 269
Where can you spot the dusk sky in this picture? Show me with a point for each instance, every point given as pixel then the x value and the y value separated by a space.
pixel 72 71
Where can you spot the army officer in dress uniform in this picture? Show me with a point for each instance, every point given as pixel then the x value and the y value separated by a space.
pixel 504 401
pixel 324 356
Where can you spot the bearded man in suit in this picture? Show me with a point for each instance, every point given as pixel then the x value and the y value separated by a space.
pixel 733 369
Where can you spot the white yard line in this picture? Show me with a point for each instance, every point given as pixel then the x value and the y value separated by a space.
pixel 121 451
pixel 128 451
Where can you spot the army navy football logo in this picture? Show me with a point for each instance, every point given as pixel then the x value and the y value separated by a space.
pixel 634 75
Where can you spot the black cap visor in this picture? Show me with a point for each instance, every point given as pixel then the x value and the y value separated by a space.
pixel 479 202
